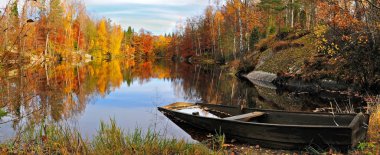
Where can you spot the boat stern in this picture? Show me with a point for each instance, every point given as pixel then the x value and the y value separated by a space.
pixel 359 127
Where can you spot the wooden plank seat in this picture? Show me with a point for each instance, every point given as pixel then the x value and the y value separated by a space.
pixel 245 117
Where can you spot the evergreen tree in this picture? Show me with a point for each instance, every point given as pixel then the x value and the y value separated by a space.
pixel 14 14
pixel 255 37
pixel 128 36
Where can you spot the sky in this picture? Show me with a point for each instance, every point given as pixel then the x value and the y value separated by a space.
pixel 156 16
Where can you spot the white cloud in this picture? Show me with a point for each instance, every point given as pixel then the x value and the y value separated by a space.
pixel 3 3
pixel 150 2
pixel 156 16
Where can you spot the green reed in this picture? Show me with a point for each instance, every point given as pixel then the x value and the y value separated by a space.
pixel 110 139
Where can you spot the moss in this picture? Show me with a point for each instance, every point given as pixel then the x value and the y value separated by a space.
pixel 293 57
pixel 2 113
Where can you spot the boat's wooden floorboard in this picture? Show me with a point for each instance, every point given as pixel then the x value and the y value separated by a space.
pixel 245 117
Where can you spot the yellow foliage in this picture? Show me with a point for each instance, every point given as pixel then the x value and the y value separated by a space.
pixel 102 41
pixel 322 43
pixel 129 50
pixel 116 38
pixel 320 31
pixel 161 43
pixel 102 74
pixel 115 75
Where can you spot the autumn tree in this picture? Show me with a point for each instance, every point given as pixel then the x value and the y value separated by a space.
pixel 161 45
pixel 144 43
pixel 116 39
pixel 127 42
pixel 102 47
pixel 349 32
pixel 58 29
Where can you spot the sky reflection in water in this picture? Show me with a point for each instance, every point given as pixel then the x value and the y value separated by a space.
pixel 135 107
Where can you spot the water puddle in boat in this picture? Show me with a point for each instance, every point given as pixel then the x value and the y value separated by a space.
pixel 197 111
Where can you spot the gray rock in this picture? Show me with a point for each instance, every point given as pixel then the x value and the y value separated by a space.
pixel 262 79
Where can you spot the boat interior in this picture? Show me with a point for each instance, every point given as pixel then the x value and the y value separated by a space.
pixel 264 116
pixel 281 117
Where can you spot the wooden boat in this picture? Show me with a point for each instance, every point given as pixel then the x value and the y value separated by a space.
pixel 271 128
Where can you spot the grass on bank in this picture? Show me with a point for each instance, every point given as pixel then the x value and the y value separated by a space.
pixel 281 58
pixel 110 139
pixel 372 146
pixel 3 113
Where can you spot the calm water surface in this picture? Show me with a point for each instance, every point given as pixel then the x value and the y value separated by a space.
pixel 129 91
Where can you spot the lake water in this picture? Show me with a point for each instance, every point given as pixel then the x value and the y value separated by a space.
pixel 129 91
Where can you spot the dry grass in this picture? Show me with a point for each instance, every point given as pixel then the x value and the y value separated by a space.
pixel 265 43
pixel 297 35
pixel 372 146
pixel 374 130
pixel 282 45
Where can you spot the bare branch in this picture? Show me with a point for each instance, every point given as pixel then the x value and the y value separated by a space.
pixel 374 5
pixel 5 10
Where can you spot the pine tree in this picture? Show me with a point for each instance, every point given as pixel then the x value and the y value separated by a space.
pixel 255 37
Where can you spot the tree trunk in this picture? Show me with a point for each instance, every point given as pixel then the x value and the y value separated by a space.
pixel 47 73
pixel 241 30
pixel 46 45
pixel 292 14
pixel 312 15
pixel 6 34
pixel 78 41
pixel 219 41
pixel 199 45
pixel 234 47
pixel 246 25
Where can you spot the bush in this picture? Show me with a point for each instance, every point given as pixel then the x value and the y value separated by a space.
pixel 263 44
pixel 297 35
pixel 255 37
pixel 2 113
pixel 283 33
pixel 282 45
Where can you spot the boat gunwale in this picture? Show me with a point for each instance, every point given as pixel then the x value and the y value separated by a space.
pixel 289 112
pixel 272 124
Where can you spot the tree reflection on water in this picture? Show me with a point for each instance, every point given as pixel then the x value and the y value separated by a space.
pixel 54 92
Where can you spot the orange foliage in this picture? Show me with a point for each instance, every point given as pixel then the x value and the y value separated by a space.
pixel 144 43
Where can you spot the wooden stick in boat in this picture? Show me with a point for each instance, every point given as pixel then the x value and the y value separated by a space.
pixel 245 117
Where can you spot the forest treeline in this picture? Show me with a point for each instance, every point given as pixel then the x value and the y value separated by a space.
pixel 63 29
pixel 230 27
pixel 346 33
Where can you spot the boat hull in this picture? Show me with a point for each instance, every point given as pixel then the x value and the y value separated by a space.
pixel 275 135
